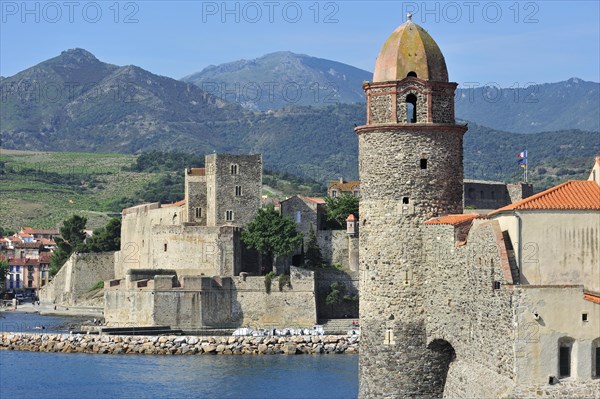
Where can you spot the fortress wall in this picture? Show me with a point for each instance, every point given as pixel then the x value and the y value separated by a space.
pixel 136 234
pixel 334 246
pixel 80 273
pixel 464 309
pixel 206 302
pixel 194 250
pixel 293 306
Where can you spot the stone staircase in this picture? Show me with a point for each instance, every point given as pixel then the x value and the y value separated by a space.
pixel 338 326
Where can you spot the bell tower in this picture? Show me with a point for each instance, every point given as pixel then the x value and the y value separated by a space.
pixel 411 169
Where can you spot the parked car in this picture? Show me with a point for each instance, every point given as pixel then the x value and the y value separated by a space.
pixel 19 297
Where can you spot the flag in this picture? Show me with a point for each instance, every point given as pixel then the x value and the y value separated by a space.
pixel 523 159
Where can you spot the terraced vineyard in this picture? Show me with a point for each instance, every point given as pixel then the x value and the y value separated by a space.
pixel 41 189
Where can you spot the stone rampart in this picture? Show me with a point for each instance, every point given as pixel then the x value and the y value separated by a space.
pixel 194 302
pixel 179 345
pixel 80 273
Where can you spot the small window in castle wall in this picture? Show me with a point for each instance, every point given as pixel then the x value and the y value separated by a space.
pixel 234 169
pixel 165 247
pixel 405 200
pixel 584 317
pixel 229 216
pixel 411 108
pixel 238 191
pixel 389 338
pixel 423 163
pixel 198 213
pixel 334 193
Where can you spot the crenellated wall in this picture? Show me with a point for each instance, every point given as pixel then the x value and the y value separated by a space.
pixel 195 302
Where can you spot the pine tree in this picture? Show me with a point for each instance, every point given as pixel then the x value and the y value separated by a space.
pixel 313 257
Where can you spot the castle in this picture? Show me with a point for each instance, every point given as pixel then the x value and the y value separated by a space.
pixel 182 265
pixel 455 305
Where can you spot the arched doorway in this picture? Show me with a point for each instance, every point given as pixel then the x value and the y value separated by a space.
pixel 442 354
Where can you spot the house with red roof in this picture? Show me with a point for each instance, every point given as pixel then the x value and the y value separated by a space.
pixel 556 235
pixel 340 187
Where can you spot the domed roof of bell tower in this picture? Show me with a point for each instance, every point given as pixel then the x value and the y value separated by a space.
pixel 410 51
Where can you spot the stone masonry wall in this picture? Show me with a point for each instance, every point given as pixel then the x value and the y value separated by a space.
pixel 222 183
pixel 195 250
pixel 334 246
pixel 202 302
pixel 80 273
pixel 195 197
pixel 397 197
pixel 136 234
pixel 478 323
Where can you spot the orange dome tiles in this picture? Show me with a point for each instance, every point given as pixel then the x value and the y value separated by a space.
pixel 571 195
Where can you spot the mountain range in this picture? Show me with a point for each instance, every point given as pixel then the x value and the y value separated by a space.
pixel 74 102
pixel 283 78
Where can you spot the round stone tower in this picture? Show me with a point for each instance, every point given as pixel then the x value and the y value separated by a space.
pixel 411 169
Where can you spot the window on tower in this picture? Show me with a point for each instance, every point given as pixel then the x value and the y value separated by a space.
pixel 411 108
pixel 412 73
pixel 423 163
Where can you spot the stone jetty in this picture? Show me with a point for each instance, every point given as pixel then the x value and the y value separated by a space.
pixel 179 345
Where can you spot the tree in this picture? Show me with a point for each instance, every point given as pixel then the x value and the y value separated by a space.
pixel 105 239
pixel 3 272
pixel 271 234
pixel 338 209
pixel 336 294
pixel 73 230
pixel 71 240
pixel 312 257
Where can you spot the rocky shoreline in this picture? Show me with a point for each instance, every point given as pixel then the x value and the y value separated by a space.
pixel 179 345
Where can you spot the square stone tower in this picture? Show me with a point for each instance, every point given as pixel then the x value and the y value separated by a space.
pixel 195 196
pixel 233 188
pixel 411 169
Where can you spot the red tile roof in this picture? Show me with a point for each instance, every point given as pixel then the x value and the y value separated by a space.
pixel 29 230
pixel 178 203
pixel 455 220
pixel 346 186
pixel 33 245
pixel 591 297
pixel 197 171
pixel 23 262
pixel 574 194
pixel 313 199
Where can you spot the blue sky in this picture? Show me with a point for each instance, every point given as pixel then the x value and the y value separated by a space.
pixel 506 42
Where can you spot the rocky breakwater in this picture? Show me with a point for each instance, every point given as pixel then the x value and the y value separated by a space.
pixel 178 345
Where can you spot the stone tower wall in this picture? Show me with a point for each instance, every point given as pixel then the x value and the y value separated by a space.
pixel 195 197
pixel 386 103
pixel 221 188
pixel 399 193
